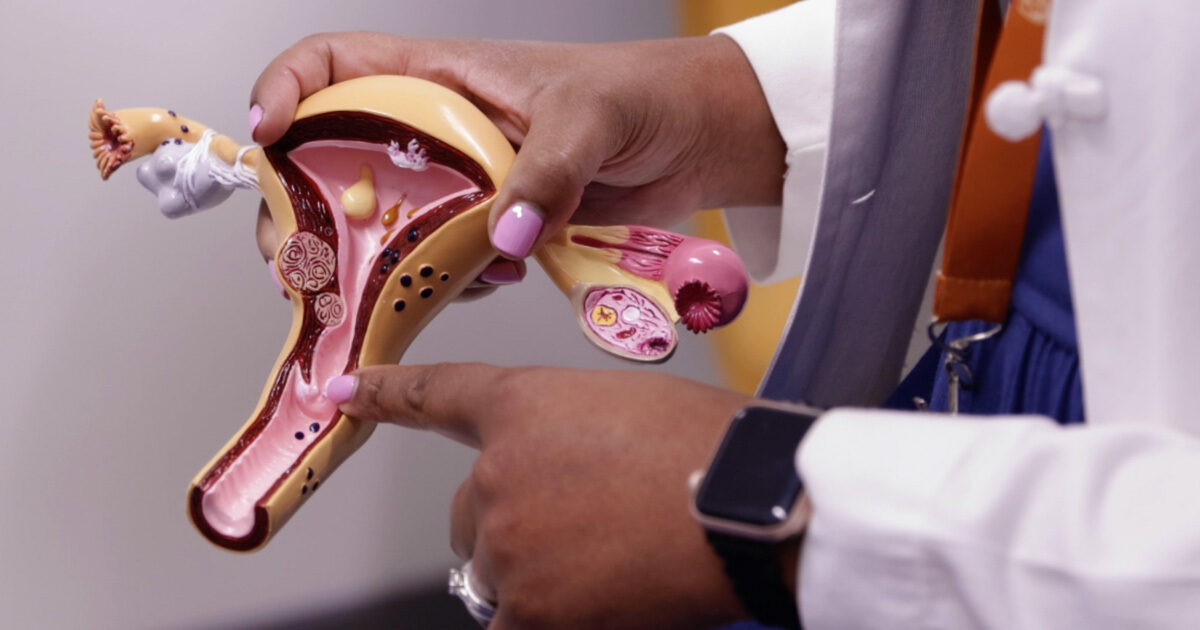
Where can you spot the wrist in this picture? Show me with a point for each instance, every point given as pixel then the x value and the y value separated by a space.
pixel 747 153
pixel 751 504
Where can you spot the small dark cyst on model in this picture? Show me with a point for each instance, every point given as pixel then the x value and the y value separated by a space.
pixel 413 235
pixel 183 128
pixel 399 305
pixel 426 271
pixel 406 280
pixel 395 257
pixel 315 484
pixel 445 276
pixel 178 141
pixel 304 489
pixel 299 435
pixel 426 292
pixel 310 474
pixel 171 112
pixel 384 268
pixel 314 427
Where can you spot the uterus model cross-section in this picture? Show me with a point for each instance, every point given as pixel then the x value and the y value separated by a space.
pixel 380 191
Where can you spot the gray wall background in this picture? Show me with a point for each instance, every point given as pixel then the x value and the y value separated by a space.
pixel 132 347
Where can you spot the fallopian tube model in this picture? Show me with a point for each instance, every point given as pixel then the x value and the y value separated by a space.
pixel 380 191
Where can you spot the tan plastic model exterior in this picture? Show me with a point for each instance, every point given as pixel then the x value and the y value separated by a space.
pixel 461 247
pixel 139 131
pixel 463 250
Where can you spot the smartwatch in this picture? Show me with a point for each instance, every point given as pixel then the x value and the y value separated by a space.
pixel 750 503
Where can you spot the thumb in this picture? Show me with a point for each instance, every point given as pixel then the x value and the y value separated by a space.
pixel 559 156
pixel 455 399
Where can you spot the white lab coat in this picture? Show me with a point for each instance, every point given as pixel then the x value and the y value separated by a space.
pixel 925 521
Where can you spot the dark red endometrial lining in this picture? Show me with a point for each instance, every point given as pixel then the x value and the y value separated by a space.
pixel 313 215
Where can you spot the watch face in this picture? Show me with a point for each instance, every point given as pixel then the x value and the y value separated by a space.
pixel 753 477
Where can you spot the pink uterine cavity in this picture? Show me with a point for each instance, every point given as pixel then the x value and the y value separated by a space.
pixel 306 262
pixel 311 265
pixel 628 321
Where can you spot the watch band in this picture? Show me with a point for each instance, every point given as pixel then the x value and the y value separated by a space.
pixel 753 567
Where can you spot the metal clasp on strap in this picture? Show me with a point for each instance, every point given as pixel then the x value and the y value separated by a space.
pixel 958 373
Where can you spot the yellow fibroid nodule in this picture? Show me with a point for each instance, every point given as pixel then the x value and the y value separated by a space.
pixel 359 199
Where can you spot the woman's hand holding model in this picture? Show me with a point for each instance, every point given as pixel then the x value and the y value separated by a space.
pixel 576 512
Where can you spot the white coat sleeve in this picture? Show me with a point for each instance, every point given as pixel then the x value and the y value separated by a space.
pixel 792 53
pixel 934 522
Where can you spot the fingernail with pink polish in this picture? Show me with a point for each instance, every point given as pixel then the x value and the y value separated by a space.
pixel 517 229
pixel 501 272
pixel 256 114
pixel 341 388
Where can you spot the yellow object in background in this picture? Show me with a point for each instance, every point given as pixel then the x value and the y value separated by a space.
pixel 698 17
pixel 744 348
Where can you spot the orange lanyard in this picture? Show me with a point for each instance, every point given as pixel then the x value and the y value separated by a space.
pixel 992 188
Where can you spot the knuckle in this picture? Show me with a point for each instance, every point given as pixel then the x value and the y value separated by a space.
pixel 600 106
pixel 418 394
pixel 604 106
pixel 501 531
pixel 370 394
pixel 488 473
pixel 572 172
pixel 511 386
pixel 461 548
pixel 314 39
pixel 556 171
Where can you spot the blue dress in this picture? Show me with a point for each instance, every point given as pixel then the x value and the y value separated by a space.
pixel 1032 366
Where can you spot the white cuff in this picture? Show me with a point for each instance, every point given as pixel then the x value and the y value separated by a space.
pixel 938 522
pixel 792 53
pixel 869 476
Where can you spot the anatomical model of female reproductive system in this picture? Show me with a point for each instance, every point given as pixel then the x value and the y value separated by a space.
pixel 380 191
